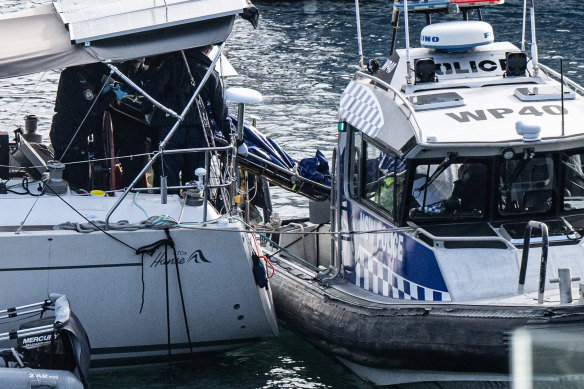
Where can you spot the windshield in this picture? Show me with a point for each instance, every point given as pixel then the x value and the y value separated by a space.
pixel 526 184
pixel 459 190
pixel 463 187
pixel 574 182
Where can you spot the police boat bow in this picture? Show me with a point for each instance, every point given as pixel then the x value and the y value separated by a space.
pixel 456 209
pixel 153 276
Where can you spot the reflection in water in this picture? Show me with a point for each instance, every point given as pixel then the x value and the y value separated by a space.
pixel 301 57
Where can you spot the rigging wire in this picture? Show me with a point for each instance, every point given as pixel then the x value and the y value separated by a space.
pixel 26 99
pixel 86 115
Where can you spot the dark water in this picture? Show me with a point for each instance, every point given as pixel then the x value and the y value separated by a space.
pixel 300 58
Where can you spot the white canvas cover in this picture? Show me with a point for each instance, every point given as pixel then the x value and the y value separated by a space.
pixel 90 20
pixel 36 40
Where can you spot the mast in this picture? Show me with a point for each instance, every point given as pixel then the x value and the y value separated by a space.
pixel 408 59
pixel 359 39
pixel 524 24
pixel 534 54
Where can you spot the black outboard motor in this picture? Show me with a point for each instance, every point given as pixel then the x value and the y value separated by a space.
pixel 51 352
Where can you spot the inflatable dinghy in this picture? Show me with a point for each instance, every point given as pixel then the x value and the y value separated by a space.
pixel 50 352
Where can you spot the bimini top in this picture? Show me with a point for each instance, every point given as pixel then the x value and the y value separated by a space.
pixel 77 32
pixel 441 5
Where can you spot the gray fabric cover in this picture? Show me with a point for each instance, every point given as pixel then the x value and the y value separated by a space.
pixel 164 40
pixel 35 40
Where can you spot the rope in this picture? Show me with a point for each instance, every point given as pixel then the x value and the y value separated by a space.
pixel 153 222
pixel 180 289
pixel 167 310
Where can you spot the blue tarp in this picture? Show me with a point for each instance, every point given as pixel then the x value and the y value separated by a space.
pixel 315 169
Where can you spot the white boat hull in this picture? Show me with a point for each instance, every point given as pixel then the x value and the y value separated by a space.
pixel 105 280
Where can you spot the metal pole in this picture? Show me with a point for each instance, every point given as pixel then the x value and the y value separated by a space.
pixel 408 59
pixel 240 118
pixel 534 54
pixel 206 190
pixel 359 39
pixel 524 257
pixel 562 92
pixel 524 25
pixel 142 92
pixel 395 26
pixel 163 144
pixel 245 175
pixel 544 255
pixel 543 264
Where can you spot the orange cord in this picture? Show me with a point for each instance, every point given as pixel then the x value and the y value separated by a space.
pixel 267 261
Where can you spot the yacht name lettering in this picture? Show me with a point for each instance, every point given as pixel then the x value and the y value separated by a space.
pixel 181 257
pixel 486 65
pixel 501 113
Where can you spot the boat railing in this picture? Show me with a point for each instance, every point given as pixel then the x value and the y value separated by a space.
pixel 567 80
pixel 150 163
pixel 411 114
pixel 335 223
pixel 525 256
pixel 162 146
pixel 420 231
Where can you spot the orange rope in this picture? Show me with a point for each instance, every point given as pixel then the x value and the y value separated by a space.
pixel 267 261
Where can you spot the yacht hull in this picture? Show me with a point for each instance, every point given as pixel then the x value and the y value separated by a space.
pixel 122 297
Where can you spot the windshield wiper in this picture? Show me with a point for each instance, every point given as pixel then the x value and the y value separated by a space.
pixel 449 160
pixel 528 155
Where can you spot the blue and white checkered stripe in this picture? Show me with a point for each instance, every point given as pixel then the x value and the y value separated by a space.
pixel 378 278
pixel 359 107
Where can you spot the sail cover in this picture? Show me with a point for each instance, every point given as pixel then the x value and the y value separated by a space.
pixel 40 38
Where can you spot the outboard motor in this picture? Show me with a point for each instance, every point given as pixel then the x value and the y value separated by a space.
pixel 51 352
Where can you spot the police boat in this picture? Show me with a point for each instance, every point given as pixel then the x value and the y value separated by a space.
pixel 51 352
pixel 457 210
pixel 156 275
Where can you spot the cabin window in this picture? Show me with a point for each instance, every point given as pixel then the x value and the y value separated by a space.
pixel 377 176
pixel 449 189
pixel 526 184
pixel 574 182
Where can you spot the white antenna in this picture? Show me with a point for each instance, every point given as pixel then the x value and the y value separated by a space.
pixel 524 23
pixel 534 55
pixel 359 40
pixel 407 26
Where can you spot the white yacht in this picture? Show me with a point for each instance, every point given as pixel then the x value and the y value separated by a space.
pixel 151 276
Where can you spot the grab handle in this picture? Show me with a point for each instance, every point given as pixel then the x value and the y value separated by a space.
pixel 544 254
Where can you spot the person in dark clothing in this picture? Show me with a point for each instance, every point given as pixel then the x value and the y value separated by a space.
pixel 132 134
pixel 174 90
pixel 78 96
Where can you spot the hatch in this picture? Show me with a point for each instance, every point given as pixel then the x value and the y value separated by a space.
pixel 543 93
pixel 436 101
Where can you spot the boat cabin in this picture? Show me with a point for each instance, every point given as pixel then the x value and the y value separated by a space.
pixel 457 145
